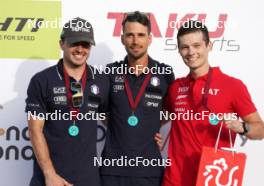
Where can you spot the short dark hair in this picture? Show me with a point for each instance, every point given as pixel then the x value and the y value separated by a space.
pixel 191 27
pixel 142 18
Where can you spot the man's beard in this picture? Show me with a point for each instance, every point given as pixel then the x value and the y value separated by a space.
pixel 136 57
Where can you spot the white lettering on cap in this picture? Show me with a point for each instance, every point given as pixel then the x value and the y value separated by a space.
pixel 78 29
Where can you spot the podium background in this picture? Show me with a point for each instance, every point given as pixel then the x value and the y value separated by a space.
pixel 238 50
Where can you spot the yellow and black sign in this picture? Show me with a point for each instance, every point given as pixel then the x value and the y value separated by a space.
pixel 30 29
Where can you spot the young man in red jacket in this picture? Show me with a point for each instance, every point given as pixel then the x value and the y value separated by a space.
pixel 205 89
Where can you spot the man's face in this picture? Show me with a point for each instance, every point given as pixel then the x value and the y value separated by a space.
pixel 77 53
pixel 193 50
pixel 136 39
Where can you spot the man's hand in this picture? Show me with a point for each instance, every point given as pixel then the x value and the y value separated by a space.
pixel 255 123
pixel 158 139
pixel 55 180
pixel 234 125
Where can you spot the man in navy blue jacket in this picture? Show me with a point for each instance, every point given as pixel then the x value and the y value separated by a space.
pixel 65 147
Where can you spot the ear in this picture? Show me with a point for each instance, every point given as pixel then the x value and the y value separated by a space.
pixel 62 44
pixel 122 39
pixel 210 46
pixel 178 47
pixel 149 39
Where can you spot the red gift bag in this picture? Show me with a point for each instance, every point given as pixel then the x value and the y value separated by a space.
pixel 220 168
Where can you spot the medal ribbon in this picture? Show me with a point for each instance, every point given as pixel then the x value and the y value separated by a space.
pixel 134 103
pixel 69 92
pixel 206 89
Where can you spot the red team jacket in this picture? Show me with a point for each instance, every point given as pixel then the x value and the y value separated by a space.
pixel 225 95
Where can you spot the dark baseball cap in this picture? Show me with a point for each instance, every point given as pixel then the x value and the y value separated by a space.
pixel 78 30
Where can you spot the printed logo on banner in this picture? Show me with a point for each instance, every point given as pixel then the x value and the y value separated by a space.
pixel 175 20
pixel 31 31
pixel 12 151
pixel 15 151
pixel 174 23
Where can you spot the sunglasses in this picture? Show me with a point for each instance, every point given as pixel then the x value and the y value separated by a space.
pixel 77 96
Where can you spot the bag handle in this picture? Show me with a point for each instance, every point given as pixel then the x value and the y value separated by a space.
pixel 218 138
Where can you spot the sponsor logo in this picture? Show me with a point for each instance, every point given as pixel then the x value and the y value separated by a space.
pixel 92 105
pixel 152 104
pixel 95 89
pixel 181 96
pixel 180 103
pixel 12 135
pixel 26 31
pixel 179 109
pixel 183 89
pixel 119 79
pixel 211 91
pixel 175 20
pixel 59 90
pixel 60 100
pixel 153 96
pixel 155 81
pixel 117 88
